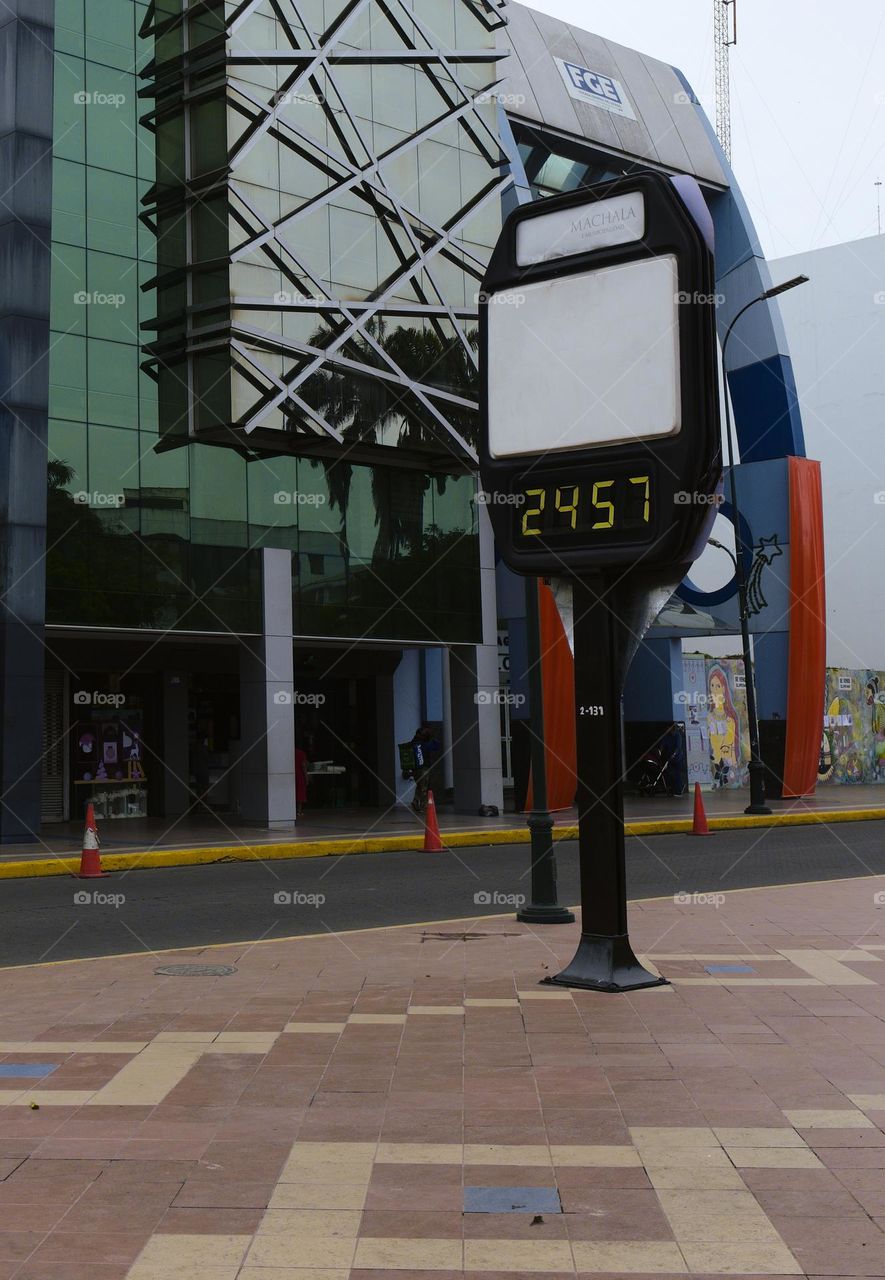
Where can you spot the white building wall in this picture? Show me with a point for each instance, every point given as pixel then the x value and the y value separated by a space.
pixel 835 327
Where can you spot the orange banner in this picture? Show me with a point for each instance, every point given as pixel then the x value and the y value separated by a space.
pixel 558 678
pixel 806 676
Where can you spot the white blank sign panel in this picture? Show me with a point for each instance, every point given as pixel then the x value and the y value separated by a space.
pixel 585 360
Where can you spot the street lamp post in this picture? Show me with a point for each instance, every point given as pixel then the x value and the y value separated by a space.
pixel 757 768
pixel 544 907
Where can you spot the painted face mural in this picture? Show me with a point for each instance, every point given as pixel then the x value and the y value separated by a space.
pixel 722 720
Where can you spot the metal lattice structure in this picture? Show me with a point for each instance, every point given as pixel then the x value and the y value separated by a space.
pixel 724 36
pixel 328 193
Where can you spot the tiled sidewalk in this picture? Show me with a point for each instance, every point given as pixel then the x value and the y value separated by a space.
pixel 405 1101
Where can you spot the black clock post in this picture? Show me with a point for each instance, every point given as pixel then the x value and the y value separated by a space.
pixel 600 450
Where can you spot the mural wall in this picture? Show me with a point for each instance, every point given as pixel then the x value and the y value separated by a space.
pixel 853 740
pixel 717 740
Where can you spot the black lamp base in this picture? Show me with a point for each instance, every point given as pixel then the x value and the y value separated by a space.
pixel 605 964
pixel 537 913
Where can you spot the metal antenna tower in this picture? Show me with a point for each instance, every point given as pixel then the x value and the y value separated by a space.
pixel 724 36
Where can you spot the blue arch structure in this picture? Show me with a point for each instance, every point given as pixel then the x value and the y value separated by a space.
pixel 768 427
pixel 767 418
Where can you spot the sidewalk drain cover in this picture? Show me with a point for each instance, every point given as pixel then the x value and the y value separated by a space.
pixel 195 970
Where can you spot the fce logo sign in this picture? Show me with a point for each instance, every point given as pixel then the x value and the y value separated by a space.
pixel 592 86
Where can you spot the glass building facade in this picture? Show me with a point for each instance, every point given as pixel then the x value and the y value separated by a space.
pixel 148 526
pixel 263 339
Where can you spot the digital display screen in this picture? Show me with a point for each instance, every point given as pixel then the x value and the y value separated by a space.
pixel 588 507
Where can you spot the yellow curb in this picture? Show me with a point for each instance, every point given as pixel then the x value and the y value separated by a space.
pixel 195 857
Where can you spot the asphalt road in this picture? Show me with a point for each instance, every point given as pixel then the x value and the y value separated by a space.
pixel 43 919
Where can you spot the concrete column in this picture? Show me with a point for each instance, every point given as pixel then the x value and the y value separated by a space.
pixel 385 735
pixel 267 702
pixel 177 798
pixel 448 766
pixel 407 708
pixel 474 685
pixel 26 56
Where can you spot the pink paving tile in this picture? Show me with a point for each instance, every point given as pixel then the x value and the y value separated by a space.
pixel 198 1193
pixel 114 1247
pixel 575 1072
pixel 66 1271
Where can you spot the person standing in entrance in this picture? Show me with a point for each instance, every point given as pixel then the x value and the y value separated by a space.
pixel 425 746
pixel 300 781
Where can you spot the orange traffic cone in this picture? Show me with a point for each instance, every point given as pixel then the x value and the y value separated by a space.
pixel 432 841
pixel 90 859
pixel 699 825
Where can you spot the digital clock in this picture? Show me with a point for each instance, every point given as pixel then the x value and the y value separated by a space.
pixel 592 505
pixel 600 439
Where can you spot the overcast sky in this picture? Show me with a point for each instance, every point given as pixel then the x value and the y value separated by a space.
pixel 807 102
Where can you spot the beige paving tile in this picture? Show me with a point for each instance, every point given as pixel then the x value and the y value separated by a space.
pixel 822 966
pixel 310 1224
pixel 834 1119
pixel 186 1037
pixel 322 1162
pixel 759 1137
pixel 381 1018
pixel 277 1250
pixel 476 1002
pixel 148 1078
pixel 238 1037
pixel 604 1157
pixel 493 1153
pixel 350 1171
pixel 453 1010
pixel 868 1101
pixel 690 1177
pixel 549 994
pixel 315 1028
pixel 237 1046
pixel 326 1151
pixel 774 1158
pixel 741 1259
pixel 518 1255
pixel 291 1273
pixel 190 1257
pixel 383 1254
pixel 853 955
pixel 175 1271
pixel 319 1195
pixel 721 1228
pixel 660 1137
pixel 636 1256
pixel 419 1153
pixel 685 1158
pixel 713 1202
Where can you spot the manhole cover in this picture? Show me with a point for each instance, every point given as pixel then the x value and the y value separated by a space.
pixel 195 970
